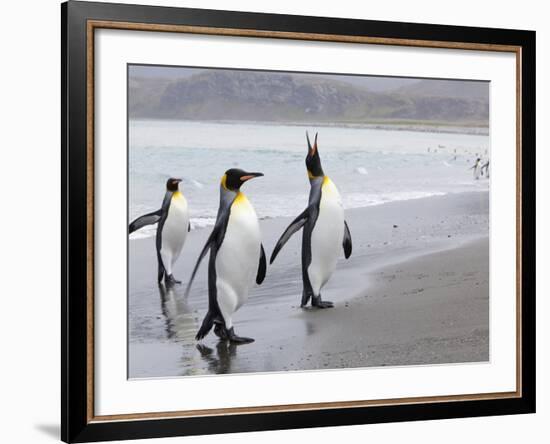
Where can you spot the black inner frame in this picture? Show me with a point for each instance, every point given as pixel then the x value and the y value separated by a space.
pixel 74 424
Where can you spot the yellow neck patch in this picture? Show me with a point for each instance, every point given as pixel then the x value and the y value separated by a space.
pixel 328 186
pixel 177 195
pixel 311 176
pixel 240 199
pixel 224 178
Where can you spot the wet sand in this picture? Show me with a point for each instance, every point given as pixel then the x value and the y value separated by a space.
pixel 415 291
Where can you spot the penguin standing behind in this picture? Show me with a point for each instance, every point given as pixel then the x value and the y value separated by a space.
pixel 325 231
pixel 477 168
pixel 173 225
pixel 486 166
pixel 236 257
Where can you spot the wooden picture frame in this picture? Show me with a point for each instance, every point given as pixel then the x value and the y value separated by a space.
pixel 79 22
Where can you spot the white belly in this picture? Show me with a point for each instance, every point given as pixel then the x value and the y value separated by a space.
pixel 327 237
pixel 238 257
pixel 477 172
pixel 174 231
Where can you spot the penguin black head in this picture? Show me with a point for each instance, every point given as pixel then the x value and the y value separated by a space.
pixel 313 161
pixel 172 184
pixel 235 177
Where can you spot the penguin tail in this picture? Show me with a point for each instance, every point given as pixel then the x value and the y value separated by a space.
pixel 160 274
pixel 206 326
pixel 305 298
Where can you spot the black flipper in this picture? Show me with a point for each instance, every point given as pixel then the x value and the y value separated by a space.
pixel 291 229
pixel 189 227
pixel 212 243
pixel 211 239
pixel 347 241
pixel 146 219
pixel 261 267
pixel 158 241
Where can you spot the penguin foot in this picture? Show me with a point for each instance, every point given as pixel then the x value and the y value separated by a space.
pixel 317 302
pixel 237 339
pixel 220 331
pixel 171 280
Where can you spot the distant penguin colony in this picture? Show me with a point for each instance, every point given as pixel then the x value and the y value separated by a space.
pixel 237 256
pixel 480 169
pixel 486 167
pixel 477 168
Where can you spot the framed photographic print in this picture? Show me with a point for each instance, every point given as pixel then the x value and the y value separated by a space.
pixel 276 221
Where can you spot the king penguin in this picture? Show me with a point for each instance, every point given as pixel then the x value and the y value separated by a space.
pixel 173 225
pixel 486 166
pixel 236 257
pixel 325 231
pixel 477 169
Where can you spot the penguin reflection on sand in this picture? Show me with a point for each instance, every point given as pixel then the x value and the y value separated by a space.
pixel 173 225
pixel 179 318
pixel 219 362
pixel 236 257
pixel 325 231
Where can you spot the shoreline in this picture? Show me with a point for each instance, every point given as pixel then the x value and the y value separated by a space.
pixel 211 220
pixel 392 243
pixel 398 125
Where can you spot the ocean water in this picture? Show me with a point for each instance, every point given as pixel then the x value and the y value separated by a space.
pixel 369 166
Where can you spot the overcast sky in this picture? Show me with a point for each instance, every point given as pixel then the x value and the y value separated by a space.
pixel 372 83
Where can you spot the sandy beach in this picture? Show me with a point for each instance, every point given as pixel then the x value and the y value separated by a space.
pixel 415 291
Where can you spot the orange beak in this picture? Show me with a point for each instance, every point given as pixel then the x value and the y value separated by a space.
pixel 250 176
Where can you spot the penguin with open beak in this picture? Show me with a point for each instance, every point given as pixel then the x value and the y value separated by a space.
pixel 325 231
